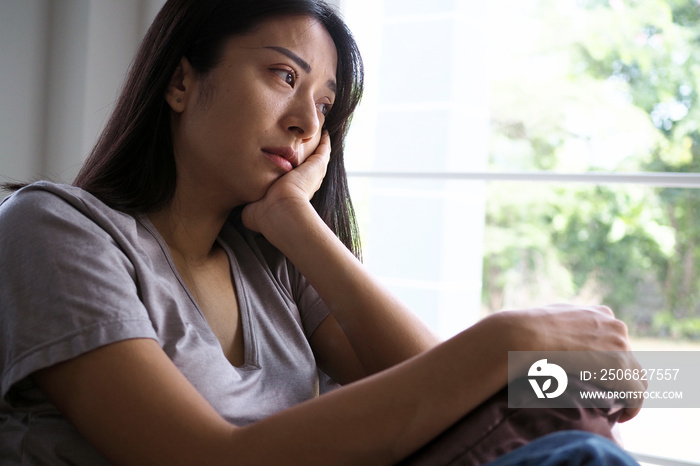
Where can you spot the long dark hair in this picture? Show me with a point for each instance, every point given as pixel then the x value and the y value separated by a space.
pixel 132 166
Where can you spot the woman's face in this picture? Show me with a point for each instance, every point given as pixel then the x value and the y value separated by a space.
pixel 258 114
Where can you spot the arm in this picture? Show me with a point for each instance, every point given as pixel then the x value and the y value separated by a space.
pixel 367 324
pixel 132 403
pixel 379 329
pixel 135 406
pixel 368 327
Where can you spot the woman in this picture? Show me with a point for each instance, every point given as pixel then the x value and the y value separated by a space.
pixel 173 306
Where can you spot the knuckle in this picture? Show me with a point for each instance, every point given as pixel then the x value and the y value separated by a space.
pixel 623 343
pixel 620 342
pixel 621 327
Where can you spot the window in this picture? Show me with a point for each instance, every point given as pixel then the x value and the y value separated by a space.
pixel 509 154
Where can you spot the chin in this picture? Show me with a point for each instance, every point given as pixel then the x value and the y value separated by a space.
pixel 259 193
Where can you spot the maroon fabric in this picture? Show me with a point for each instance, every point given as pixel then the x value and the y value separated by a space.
pixel 493 429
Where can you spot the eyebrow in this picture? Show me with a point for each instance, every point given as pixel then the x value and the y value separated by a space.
pixel 301 62
pixel 297 59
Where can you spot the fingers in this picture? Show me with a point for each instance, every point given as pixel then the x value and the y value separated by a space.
pixel 324 145
pixel 628 361
pixel 604 309
pixel 600 308
pixel 570 327
pixel 619 328
pixel 300 183
pixel 315 167
pixel 323 151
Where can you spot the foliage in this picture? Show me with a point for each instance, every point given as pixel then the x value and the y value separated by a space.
pixel 668 325
pixel 615 87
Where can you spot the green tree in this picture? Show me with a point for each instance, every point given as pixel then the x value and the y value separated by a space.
pixel 657 55
pixel 616 88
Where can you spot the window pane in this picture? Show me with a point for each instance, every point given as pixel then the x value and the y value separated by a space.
pixel 595 85
pixel 633 248
pixel 522 244
pixel 425 107
pixel 416 245
pixel 562 85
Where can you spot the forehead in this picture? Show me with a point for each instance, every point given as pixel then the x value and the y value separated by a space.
pixel 305 36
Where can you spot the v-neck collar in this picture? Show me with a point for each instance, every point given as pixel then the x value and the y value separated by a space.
pixel 250 356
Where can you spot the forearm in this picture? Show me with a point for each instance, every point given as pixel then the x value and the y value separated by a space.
pixel 383 418
pixel 136 407
pixel 381 330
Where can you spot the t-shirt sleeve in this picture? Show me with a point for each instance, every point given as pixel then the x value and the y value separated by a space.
pixel 66 287
pixel 312 308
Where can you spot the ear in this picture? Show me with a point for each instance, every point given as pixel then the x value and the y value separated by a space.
pixel 181 86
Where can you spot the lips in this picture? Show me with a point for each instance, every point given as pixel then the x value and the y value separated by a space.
pixel 286 153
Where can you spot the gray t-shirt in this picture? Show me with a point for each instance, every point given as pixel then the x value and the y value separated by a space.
pixel 76 275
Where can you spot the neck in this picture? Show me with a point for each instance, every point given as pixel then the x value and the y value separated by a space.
pixel 189 229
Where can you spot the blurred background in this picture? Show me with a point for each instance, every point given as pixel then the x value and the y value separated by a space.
pixel 506 154
pixel 63 64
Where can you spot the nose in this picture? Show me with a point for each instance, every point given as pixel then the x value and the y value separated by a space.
pixel 302 118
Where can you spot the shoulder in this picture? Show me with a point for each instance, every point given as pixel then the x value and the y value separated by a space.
pixel 45 196
pixel 56 208
pixel 29 200
pixel 47 224
pixel 40 208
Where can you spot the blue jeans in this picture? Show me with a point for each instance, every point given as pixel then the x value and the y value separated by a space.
pixel 567 448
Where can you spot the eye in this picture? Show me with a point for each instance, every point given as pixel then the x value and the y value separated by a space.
pixel 324 108
pixel 288 76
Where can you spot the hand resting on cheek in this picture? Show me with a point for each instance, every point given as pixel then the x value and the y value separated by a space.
pixel 291 191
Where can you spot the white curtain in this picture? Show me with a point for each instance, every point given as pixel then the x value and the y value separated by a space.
pixel 63 63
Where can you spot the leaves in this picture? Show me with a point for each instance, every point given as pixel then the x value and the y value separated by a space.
pixel 598 85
